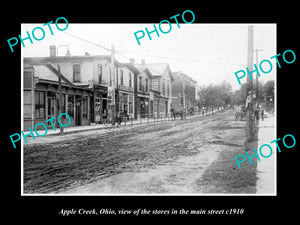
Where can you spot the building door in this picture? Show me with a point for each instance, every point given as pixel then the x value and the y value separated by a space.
pixel 51 109
pixel 92 109
pixel 142 108
pixel 77 110
pixel 167 109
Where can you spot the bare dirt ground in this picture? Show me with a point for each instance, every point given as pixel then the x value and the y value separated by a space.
pixel 192 156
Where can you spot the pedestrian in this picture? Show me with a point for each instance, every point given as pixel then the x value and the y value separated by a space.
pixel 256 113
pixel 262 113
pixel 119 118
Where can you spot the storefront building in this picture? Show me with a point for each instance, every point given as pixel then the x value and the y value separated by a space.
pixel 41 98
pixel 160 89
pixel 144 109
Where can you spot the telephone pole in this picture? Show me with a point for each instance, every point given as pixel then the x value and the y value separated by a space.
pixel 113 97
pixel 256 51
pixel 61 129
pixel 249 87
pixel 250 59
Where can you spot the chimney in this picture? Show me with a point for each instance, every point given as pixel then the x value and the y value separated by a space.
pixel 52 50
pixel 132 61
pixel 68 53
pixel 143 61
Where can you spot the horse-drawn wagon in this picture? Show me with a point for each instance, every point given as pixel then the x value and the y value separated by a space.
pixel 241 114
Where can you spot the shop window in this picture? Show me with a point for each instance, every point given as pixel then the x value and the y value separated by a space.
pixel 71 105
pixel 130 102
pixel 27 101
pixel 40 105
pixel 85 107
pixel 76 73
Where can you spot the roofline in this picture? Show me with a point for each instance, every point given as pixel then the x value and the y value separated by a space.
pixel 130 66
pixel 43 60
pixel 181 73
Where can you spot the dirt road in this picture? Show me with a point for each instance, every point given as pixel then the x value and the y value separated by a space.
pixel 192 156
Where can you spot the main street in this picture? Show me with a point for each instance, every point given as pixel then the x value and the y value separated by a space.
pixel 191 156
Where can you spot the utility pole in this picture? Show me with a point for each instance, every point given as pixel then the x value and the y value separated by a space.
pixel 61 129
pixel 250 59
pixel 256 51
pixel 113 97
pixel 249 88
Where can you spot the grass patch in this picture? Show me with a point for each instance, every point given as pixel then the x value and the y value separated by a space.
pixel 224 175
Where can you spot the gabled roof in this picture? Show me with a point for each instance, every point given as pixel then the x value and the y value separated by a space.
pixel 142 69
pixel 130 66
pixel 157 69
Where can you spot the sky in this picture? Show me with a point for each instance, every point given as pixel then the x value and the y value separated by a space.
pixel 208 53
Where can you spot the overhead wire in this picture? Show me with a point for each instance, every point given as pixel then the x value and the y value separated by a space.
pixel 118 51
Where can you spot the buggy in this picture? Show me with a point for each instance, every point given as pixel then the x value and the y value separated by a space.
pixel 241 114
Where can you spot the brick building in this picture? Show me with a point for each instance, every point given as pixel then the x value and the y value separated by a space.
pixel 183 92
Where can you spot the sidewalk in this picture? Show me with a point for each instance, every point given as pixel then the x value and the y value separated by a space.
pixel 266 167
pixel 68 130
pixel 143 121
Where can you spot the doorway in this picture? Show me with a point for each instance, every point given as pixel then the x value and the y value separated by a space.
pixel 77 110
pixel 51 102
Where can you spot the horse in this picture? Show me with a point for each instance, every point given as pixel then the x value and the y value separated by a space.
pixel 176 113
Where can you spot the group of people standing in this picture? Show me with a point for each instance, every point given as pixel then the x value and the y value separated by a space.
pixel 259 110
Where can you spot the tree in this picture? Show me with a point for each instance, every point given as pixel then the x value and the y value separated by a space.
pixel 268 89
pixel 215 95
pixel 225 93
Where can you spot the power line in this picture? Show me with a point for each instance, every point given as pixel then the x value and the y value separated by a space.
pixel 149 55
pixel 177 58
pixel 90 42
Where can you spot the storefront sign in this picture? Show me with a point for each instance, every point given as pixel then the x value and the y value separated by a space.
pixel 125 88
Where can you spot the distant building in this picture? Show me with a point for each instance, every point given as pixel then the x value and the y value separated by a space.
pixel 144 87
pixel 160 87
pixel 183 92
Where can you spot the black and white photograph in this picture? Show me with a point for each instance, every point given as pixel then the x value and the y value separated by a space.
pixel 167 116
pixel 131 113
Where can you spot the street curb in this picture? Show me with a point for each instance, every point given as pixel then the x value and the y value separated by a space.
pixel 110 126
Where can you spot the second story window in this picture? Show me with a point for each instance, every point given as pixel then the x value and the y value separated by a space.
pixel 130 79
pixel 168 89
pixel 140 83
pixel 121 77
pixel 100 73
pixel 147 85
pixel 76 73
